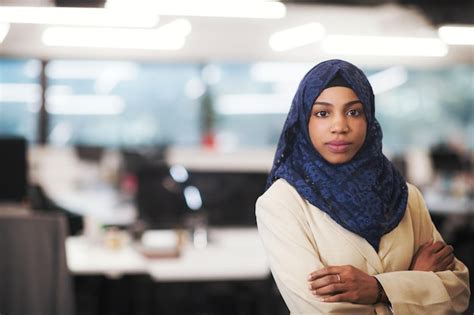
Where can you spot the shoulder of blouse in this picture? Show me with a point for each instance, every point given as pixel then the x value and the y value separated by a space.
pixel 416 203
pixel 415 198
pixel 282 194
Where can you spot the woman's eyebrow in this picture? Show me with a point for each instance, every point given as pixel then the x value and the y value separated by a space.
pixel 345 105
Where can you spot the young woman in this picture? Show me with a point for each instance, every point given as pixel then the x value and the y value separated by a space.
pixel 344 232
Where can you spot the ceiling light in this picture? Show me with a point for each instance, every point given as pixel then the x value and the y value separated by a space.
pixel 85 104
pixel 245 104
pixel 457 34
pixel 384 46
pixel 279 71
pixel 171 36
pixel 209 8
pixel 4 28
pixel 296 37
pixel 20 92
pixel 388 79
pixel 78 16
pixel 90 70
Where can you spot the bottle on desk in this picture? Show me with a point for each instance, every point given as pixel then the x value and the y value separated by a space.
pixel 197 225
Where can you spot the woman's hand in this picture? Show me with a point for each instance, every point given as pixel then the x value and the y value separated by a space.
pixel 344 284
pixel 434 257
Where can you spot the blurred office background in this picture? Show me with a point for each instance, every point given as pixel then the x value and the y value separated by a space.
pixel 140 133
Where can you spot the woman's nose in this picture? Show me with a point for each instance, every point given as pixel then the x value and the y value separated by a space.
pixel 339 125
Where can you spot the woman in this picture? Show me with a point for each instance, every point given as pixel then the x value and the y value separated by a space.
pixel 344 232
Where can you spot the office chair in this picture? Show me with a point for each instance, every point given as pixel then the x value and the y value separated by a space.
pixel 34 278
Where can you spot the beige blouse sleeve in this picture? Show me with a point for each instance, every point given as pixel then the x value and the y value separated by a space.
pixel 293 254
pixel 419 292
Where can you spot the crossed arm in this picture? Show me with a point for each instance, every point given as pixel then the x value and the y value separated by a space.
pixel 436 282
pixel 349 284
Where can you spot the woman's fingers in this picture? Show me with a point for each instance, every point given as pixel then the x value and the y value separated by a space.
pixel 341 297
pixel 344 283
pixel 446 251
pixel 443 258
pixel 331 270
pixel 324 281
pixel 330 289
pixel 445 263
pixel 437 246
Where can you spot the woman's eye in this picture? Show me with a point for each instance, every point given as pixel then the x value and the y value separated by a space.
pixel 354 112
pixel 321 114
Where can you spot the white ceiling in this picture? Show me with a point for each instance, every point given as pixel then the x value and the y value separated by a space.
pixel 242 40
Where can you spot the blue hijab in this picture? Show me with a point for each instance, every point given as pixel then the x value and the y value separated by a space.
pixel 366 195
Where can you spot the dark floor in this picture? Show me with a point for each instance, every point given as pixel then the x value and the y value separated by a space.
pixel 140 295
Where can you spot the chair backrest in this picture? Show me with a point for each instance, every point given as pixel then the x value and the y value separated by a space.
pixel 34 278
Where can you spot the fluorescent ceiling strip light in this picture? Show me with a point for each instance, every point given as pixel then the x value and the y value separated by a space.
pixel 279 71
pixel 388 79
pixel 85 104
pixel 59 89
pixel 20 93
pixel 171 36
pixel 78 16
pixel 296 37
pixel 207 8
pixel 90 70
pixel 384 46
pixel 250 104
pixel 4 28
pixel 457 34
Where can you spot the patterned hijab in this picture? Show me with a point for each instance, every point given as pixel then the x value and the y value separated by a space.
pixel 366 195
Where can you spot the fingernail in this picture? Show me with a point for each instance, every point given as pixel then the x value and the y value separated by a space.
pixel 310 277
pixel 310 287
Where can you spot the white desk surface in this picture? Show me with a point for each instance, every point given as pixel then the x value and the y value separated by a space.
pixel 102 203
pixel 232 254
pixel 444 204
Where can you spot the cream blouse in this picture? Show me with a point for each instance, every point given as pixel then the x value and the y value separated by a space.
pixel 299 238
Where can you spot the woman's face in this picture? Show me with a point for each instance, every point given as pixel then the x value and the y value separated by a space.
pixel 337 126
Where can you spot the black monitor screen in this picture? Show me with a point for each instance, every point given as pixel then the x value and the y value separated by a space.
pixel 13 169
pixel 229 197
pixel 160 200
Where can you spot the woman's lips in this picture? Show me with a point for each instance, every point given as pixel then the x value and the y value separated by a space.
pixel 338 146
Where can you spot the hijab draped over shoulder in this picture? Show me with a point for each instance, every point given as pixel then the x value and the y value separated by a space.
pixel 366 195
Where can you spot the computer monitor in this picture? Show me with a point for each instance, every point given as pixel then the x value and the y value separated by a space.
pixel 229 197
pixel 13 169
pixel 160 200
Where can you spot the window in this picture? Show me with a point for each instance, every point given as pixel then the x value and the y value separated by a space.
pixel 20 97
pixel 116 104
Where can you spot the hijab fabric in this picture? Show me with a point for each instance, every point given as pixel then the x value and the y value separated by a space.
pixel 366 195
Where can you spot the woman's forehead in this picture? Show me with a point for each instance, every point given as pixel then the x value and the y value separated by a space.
pixel 337 92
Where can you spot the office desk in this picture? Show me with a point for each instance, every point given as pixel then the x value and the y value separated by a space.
pixel 444 204
pixel 232 254
pixel 102 202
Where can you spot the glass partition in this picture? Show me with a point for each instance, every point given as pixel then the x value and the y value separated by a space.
pixel 416 107
pixel 20 97
pixel 125 103
pixel 116 104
